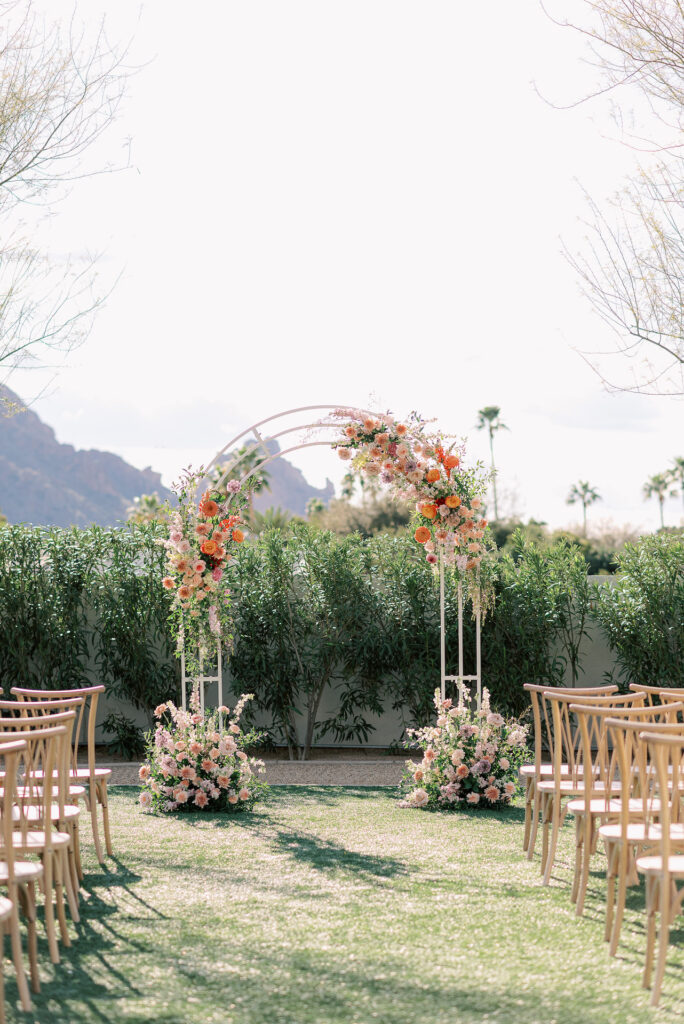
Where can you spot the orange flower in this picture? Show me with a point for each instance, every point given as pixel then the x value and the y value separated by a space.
pixel 472 563
pixel 452 501
pixel 184 592
pixel 369 424
pixel 451 461
pixel 432 476
pixel 238 536
pixel 209 547
pixel 208 507
pixel 400 429
pixel 422 534
pixel 168 583
pixel 428 511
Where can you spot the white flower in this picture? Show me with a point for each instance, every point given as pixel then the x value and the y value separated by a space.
pixel 419 798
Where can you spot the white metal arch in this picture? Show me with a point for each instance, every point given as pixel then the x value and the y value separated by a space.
pixel 261 442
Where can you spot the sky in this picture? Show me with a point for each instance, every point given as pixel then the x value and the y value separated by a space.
pixel 357 202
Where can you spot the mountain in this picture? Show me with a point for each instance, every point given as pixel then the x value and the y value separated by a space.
pixel 288 487
pixel 51 484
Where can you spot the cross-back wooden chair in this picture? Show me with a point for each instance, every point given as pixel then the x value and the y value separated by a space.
pixel 652 694
pixel 566 782
pixel 663 865
pixel 627 837
pixel 531 774
pixel 6 910
pixel 17 876
pixel 606 789
pixel 95 779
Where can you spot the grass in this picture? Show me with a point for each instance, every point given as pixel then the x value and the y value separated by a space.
pixel 333 906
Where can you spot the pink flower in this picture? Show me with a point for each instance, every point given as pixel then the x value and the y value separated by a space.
pixel 492 793
pixel 232 798
pixel 505 764
pixel 419 798
pixel 217 573
pixel 344 453
pixel 145 800
pixel 159 710
pixel 208 765
pixel 144 772
pixel 418 775
pixel 201 799
pixel 241 754
pixel 180 796
pixel 196 719
pixel 235 729
pixel 223 781
pixel 510 788
pixel 473 798
pixel 228 746
pixel 195 747
pixel 461 771
pixel 244 794
pixel 179 744
pixel 430 754
pixel 431 558
pixel 214 753
pixel 188 772
pixel 233 486
pixel 224 710
pixel 202 529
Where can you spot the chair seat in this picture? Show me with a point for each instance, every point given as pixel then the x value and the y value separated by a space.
pixel 34 841
pixel 597 805
pixel 84 773
pixel 639 832
pixel 34 813
pixel 653 865
pixel 527 771
pixel 24 871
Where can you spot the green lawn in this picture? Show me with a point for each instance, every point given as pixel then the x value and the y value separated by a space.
pixel 333 906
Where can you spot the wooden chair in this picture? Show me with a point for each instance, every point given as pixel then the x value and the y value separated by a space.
pixel 6 911
pixel 627 837
pixel 606 793
pixel 531 774
pixel 95 779
pixel 566 783
pixel 663 866
pixel 652 694
pixel 19 877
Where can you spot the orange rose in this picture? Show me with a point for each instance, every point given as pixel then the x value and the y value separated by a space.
pixel 209 547
pixel 238 536
pixel 483 523
pixel 168 583
pixel 451 462
pixel 208 507
pixel 428 511
pixel 369 424
pixel 432 476
pixel 184 593
pixel 422 534
pixel 452 501
pixel 400 429
pixel 472 563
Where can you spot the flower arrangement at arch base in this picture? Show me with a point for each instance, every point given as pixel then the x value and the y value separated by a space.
pixel 197 761
pixel 470 758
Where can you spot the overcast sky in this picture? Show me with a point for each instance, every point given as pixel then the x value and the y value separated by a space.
pixel 355 202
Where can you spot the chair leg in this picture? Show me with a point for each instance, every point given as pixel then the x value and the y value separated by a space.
pixel 556 821
pixel 528 814
pixel 623 869
pixel 651 905
pixel 102 790
pixel 92 807
pixel 536 809
pixel 27 895
pixel 75 850
pixel 664 939
pixel 579 850
pixel 48 863
pixel 588 845
pixel 68 884
pixel 3 1019
pixel 17 952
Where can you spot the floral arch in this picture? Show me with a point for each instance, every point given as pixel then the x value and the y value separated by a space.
pixel 415 464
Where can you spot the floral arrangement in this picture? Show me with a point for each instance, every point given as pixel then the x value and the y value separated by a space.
pixel 197 761
pixel 200 545
pixel 423 470
pixel 470 758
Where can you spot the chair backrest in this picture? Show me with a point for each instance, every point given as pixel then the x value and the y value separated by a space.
pixel 566 738
pixel 90 695
pixel 666 756
pixel 46 708
pixel 44 777
pixel 653 694
pixel 540 712
pixel 636 772
pixel 11 752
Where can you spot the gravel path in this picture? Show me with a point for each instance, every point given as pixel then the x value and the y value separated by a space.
pixel 385 771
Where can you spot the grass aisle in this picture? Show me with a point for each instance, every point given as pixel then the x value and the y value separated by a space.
pixel 333 906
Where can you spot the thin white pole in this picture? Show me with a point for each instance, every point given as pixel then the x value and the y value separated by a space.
pixel 201 682
pixel 460 631
pixel 478 668
pixel 220 673
pixel 183 688
pixel 442 639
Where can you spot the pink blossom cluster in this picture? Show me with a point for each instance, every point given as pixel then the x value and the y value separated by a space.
pixel 470 757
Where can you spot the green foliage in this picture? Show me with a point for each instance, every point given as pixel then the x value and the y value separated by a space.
pixel 127 739
pixel 643 614
pixel 77 604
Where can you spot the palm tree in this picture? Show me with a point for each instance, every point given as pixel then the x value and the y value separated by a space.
pixel 489 420
pixel 582 492
pixel 677 474
pixel 659 486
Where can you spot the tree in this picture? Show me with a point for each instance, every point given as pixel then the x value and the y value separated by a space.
pixel 582 492
pixel 677 474
pixel 659 486
pixel 489 419
pixel 633 271
pixel 59 93
pixel 148 508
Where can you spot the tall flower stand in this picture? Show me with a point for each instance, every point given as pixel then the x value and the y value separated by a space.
pixel 201 678
pixel 460 678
